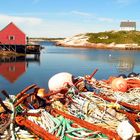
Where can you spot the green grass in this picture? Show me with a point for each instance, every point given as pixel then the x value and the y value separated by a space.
pixel 119 37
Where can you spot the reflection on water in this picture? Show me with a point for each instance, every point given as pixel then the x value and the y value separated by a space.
pixel 18 73
pixel 12 68
pixel 125 64
pixel 122 63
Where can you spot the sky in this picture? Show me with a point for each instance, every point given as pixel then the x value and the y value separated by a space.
pixel 63 18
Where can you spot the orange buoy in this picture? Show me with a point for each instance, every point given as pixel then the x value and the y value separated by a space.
pixel 119 84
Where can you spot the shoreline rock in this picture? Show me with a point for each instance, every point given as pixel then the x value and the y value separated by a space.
pixel 80 41
pixel 102 46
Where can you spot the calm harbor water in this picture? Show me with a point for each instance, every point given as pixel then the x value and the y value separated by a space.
pixel 18 73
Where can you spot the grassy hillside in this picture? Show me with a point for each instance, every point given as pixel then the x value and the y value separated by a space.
pixel 120 37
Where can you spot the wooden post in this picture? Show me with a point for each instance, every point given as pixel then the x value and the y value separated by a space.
pixel 25 48
pixel 15 49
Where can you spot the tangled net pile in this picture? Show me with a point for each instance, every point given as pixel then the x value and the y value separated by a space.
pixel 87 109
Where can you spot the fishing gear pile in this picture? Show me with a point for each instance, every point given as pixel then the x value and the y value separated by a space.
pixel 74 108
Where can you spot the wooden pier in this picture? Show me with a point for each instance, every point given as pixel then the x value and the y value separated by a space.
pixel 25 49
pixel 34 58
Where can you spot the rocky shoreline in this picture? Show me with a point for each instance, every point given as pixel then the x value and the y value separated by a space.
pixel 80 41
pixel 102 46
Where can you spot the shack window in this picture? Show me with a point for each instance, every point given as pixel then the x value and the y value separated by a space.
pixel 12 68
pixel 11 37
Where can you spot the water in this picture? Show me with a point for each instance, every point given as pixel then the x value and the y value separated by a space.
pixel 18 73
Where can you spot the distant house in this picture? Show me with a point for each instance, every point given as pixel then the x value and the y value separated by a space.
pixel 127 26
pixel 12 35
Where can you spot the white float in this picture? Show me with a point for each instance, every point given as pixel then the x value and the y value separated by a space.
pixel 125 130
pixel 59 80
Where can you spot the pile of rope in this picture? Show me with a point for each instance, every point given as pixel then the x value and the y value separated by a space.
pixel 87 109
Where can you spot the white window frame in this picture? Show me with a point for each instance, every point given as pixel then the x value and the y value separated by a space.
pixel 11 37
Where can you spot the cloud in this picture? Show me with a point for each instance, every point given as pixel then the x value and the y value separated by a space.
pixel 25 23
pixel 17 19
pixel 68 13
pixel 105 19
pixel 45 27
pixel 38 27
pixel 79 13
pixel 30 14
pixel 125 2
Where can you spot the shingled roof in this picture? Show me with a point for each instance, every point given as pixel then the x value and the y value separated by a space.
pixel 128 24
